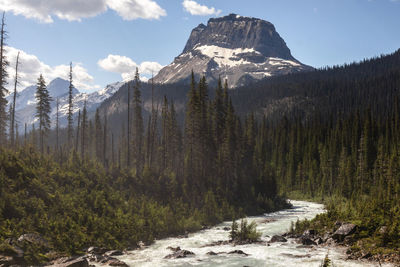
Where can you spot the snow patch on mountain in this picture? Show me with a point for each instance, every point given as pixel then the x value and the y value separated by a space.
pixel 226 56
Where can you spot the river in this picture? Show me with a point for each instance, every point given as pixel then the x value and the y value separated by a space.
pixel 277 254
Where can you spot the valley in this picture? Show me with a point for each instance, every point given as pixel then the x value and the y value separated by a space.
pixel 147 172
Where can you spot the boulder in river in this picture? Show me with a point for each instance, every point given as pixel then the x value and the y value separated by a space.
pixel 238 252
pixel 179 254
pixel 115 262
pixel 211 253
pixel 305 240
pixel 278 238
pixel 343 231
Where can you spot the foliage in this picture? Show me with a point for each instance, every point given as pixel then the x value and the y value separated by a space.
pixel 247 232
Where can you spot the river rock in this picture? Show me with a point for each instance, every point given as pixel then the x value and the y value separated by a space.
pixel 278 238
pixel 211 253
pixel 343 231
pixel 226 228
pixel 309 232
pixel 238 252
pixel 71 262
pixel 96 250
pixel 115 262
pixel 113 253
pixel 305 240
pixel 319 240
pixel 179 254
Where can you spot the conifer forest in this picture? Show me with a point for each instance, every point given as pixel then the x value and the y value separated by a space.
pixel 331 135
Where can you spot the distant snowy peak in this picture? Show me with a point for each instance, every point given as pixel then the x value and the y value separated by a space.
pixel 58 89
pixel 240 49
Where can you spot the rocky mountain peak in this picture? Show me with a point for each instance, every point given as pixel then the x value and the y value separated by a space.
pixel 234 31
pixel 240 49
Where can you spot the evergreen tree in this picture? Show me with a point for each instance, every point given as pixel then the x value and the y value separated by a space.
pixel 137 124
pixel 43 110
pixel 70 118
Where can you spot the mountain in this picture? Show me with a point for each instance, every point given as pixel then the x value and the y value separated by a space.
pixel 58 88
pixel 240 49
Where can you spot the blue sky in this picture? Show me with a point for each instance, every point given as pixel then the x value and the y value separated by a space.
pixel 106 39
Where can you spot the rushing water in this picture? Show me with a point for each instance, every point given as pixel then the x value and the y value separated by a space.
pixel 277 254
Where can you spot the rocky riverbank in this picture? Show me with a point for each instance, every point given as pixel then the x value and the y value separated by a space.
pixel 32 248
pixel 343 235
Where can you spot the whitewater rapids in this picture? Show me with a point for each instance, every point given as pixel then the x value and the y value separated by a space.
pixel 277 254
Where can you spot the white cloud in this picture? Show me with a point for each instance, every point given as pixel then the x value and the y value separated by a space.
pixel 195 8
pixel 75 10
pixel 30 67
pixel 135 9
pixel 127 67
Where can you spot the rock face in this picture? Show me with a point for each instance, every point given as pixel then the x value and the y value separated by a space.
pixel 240 49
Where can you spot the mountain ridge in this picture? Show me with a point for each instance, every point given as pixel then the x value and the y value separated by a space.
pixel 58 89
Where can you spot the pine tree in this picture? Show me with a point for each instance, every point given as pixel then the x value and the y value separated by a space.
pixel 137 124
pixel 12 125
pixel 3 82
pixel 70 119
pixel 43 110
